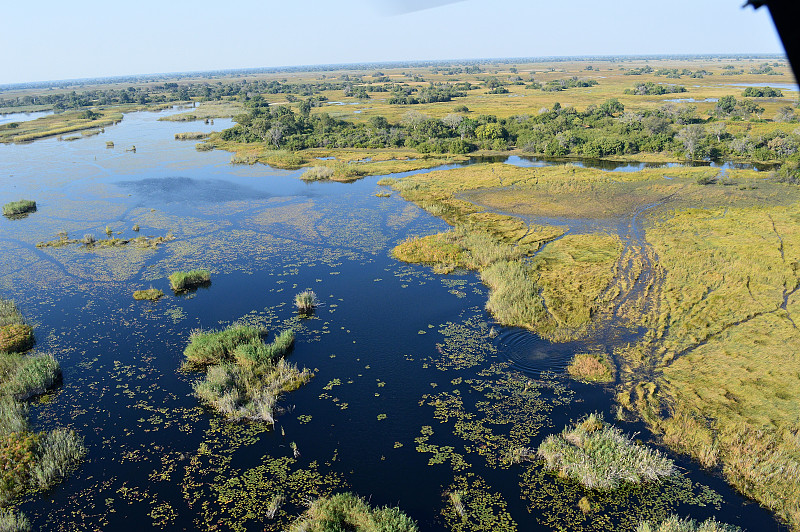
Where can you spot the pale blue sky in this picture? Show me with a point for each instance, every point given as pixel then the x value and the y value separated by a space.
pixel 50 39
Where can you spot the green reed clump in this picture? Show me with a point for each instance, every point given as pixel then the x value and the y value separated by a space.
pixel 9 314
pixel 28 461
pixel 244 376
pixel 306 301
pixel 185 280
pixel 346 511
pixel 16 208
pixel 58 452
pixel 151 294
pixel 26 376
pixel 215 347
pixel 13 521
pixel 13 415
pixel 257 352
pixel 675 524
pixel 600 456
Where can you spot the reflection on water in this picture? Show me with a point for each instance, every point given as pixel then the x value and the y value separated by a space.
pixel 530 161
pixel 8 118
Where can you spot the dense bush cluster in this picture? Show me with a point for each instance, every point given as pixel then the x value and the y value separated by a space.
pixel 596 132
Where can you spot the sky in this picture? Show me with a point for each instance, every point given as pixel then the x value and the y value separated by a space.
pixel 55 39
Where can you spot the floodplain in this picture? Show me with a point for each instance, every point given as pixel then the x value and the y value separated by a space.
pixel 451 293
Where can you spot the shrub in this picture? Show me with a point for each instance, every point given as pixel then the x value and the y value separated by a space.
pixel 151 294
pixel 16 338
pixel 16 208
pixel 600 456
pixel 17 455
pixel 88 239
pixel 185 280
pixel 347 511
pixel 590 367
pixel 306 301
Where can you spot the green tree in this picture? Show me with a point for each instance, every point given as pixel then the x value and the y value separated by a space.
pixel 726 106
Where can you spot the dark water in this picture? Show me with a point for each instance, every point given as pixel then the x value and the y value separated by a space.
pixel 397 353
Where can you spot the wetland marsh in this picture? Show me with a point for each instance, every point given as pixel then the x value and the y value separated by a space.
pixel 450 296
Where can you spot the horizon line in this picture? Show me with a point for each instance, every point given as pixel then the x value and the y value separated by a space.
pixel 363 65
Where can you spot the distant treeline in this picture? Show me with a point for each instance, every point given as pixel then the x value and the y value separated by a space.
pixel 466 65
pixel 598 131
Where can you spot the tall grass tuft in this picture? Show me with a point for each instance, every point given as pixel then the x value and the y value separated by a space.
pixel 600 456
pixel 60 450
pixel 13 416
pixel 9 314
pixel 306 301
pixel 591 368
pixel 675 524
pixel 317 173
pixel 346 511
pixel 13 521
pixel 185 280
pixel 31 376
pixel 215 347
pixel 15 208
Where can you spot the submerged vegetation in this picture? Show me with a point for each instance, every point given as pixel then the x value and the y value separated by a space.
pixel 244 375
pixel 346 511
pixel 16 208
pixel 180 281
pixel 91 242
pixel 600 456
